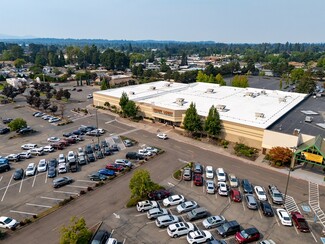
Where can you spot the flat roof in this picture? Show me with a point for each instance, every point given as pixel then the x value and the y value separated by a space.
pixel 250 106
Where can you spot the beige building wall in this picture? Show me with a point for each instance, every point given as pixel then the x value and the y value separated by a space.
pixel 277 139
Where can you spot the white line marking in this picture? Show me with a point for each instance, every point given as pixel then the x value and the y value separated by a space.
pixel 124 241
pixel 14 211
pixel 4 194
pixel 52 198
pixel 260 213
pixel 38 205
pixel 137 215
pixel 111 121
pixel 162 230
pixel 243 206
pixel 313 236
pixel 88 181
pixel 111 233
pixel 46 179
pixel 276 219
pixel 151 222
pixel 34 180
pixel 21 184
pixel 67 192
pixel 83 187
pixel 1 178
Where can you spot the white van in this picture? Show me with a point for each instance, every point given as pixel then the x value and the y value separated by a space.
pixel 28 146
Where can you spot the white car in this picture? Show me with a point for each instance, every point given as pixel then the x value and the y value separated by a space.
pixel 162 136
pixel 260 193
pixel 80 152
pixel 28 146
pixel 71 156
pixel 284 217
pixel 31 169
pixel 209 172
pixel 186 206
pixel 166 220
pixel 146 205
pixel 62 168
pixel 179 229
pixel 233 180
pixel 89 96
pixel 25 154
pixel 101 131
pixel 173 200
pixel 222 189
pixel 42 166
pixel 210 189
pixel 199 236
pixel 111 241
pixel 213 221
pixel 144 152
pixel 156 212
pixel 53 120
pixel 221 175
pixel 153 150
pixel 48 148
pixel 53 139
pixel 8 223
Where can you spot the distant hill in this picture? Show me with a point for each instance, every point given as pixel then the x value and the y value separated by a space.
pixel 6 37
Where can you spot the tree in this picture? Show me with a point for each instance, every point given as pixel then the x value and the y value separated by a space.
pixel 130 109
pixel 54 108
pixel 76 233
pixel 103 85
pixel 296 75
pixel 240 81
pixel 192 121
pixel 19 62
pixel 141 184
pixel 280 84
pixel 17 124
pixel 280 155
pixel 123 100
pixel 212 125
pixel 9 91
pixel 219 79
pixel 46 103
pixel 184 59
pixel 59 94
pixel 66 94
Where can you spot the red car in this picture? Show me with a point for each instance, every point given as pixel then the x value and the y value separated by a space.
pixel 198 180
pixel 64 142
pixel 70 140
pixel 115 167
pixel 247 235
pixel 58 145
pixel 158 195
pixel 300 222
pixel 235 195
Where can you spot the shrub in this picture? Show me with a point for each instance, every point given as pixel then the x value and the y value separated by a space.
pixel 89 188
pixel 225 143
pixel 133 202
pixel 28 221
pixel 177 174
pixel 243 150
pixel 82 192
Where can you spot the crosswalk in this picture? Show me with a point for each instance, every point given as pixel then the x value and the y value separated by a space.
pixel 314 202
pixel 290 204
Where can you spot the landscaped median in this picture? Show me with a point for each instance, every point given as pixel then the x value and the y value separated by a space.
pixel 177 175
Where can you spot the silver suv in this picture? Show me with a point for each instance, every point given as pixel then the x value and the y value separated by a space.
pixel 165 220
pixel 187 174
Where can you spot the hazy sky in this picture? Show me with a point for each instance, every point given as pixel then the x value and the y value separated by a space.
pixel 230 21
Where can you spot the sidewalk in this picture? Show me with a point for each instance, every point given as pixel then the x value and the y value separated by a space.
pixel 154 127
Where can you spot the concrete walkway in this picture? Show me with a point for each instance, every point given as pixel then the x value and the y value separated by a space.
pixel 174 134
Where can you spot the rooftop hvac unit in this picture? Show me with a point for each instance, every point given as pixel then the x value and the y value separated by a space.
pixel 220 107
pixel 180 101
pixel 259 115
pixel 250 94
pixel 263 92
pixel 131 93
pixel 210 90
pixel 168 84
pixel 282 99
pixel 152 88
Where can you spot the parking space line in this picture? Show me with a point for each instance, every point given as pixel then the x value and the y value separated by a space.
pixel 313 236
pixel 137 215
pixel 124 241
pixel 260 213
pixel 46 179
pixel 111 233
pixel 296 230
pixel 34 180
pixel 21 184
pixel 1 178
pixel 88 181
pixel 84 187
pixel 14 211
pixel 276 219
pixel 52 198
pixel 195 226
pixel 38 205
pixel 66 192
pixel 242 202
pixel 4 194
pixel 150 222
pixel 162 230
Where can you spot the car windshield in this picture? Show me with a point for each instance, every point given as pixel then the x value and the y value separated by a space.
pixel 277 195
pixel 210 220
pixel 244 234
pixel 261 193
pixel 233 180
pixel 286 218
pixel 7 220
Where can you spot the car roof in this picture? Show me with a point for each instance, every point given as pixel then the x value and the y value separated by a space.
pixel 251 230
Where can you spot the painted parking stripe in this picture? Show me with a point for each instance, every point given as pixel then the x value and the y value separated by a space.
pixel 28 213
pixel 137 215
pixel 162 230
pixel 38 205
pixel 84 187
pixel 313 236
pixel 66 192
pixel 21 184
pixel 1 178
pixel 88 181
pixel 260 213
pixel 52 198
pixel 4 194
pixel 34 180
pixel 151 222
pixel 124 240
pixel 111 233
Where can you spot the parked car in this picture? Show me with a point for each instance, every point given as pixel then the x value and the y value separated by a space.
pixel 96 147
pixel 124 163
pixel 62 168
pixel 235 195
pixel 162 136
pixel 221 175
pixel 228 228
pixel 213 221
pixel 247 186
pixel 67 134
pixel 210 189
pixel 198 180
pixel 276 195
pixel 223 189
pixel 179 229
pixel 146 205
pixel 31 169
pixel 4 130
pixel 18 174
pixel 97 177
pixel 61 158
pixel 251 202
pixel 186 206
pixel 260 193
pixel 54 119
pixel 284 217
pixel 153 150
pixel 53 162
pixel 42 166
pixel 197 213
pixel 8 223
pixel 99 154
pixel 114 148
pixel 7 120
pixel 209 172
pixel 166 220
pixel 107 172
pixel 89 96
pixel 247 235
pixel 82 160
pixel 103 144
pixel 173 200
pixel 158 195
pixel 51 172
pixel 128 143
pixel 53 139
pixel 29 146
pixel 48 148
pixel 57 145
pixel 106 151
pixel 233 181
pixel 266 209
pixel 13 157
pixel 25 131
pixel 300 222
pixel 25 155
pixel 187 174
pixel 144 153
pixel 62 181
pixel 38 151
pixel 199 236
pixel 156 212
pixel 115 167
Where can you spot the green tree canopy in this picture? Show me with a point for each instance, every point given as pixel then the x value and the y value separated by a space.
pixel 141 184
pixel 19 62
pixel 192 121
pixel 212 124
pixel 297 74
pixel 103 85
pixel 219 79
pixel 240 81
pixel 123 100
pixel 76 233
pixel 130 109
pixel 17 124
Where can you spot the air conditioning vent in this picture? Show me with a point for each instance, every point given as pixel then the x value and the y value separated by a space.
pixel 168 84
pixel 221 107
pixel 282 99
pixel 209 90
pixel 131 93
pixel 259 115
pixel 152 88
pixel 180 101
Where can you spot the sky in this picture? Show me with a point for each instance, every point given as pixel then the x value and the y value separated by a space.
pixel 228 21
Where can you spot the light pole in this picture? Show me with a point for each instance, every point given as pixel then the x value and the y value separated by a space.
pixel 292 164
pixel 97 134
